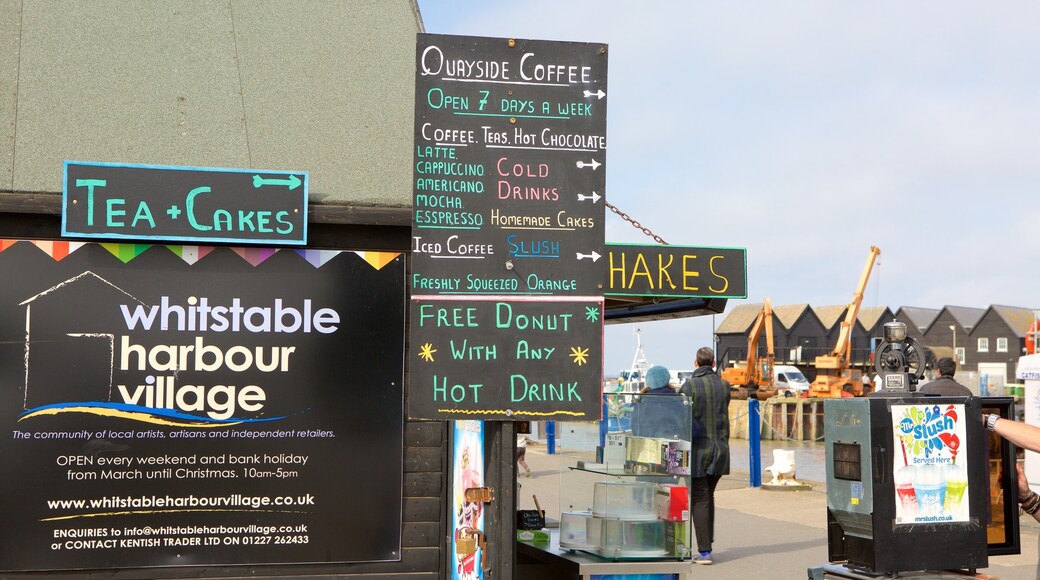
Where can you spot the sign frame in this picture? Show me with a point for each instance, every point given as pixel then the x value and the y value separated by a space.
pixel 647 272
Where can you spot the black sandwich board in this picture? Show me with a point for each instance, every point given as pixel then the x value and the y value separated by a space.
pixel 508 192
pixel 509 176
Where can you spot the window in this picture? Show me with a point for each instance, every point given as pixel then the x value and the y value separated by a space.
pixel 983 345
pixel 1001 345
pixel 960 355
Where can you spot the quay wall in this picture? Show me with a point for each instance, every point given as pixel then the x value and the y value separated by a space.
pixel 783 418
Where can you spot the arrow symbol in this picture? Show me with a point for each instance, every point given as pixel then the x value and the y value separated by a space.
pixel 593 255
pixel 594 197
pixel 292 182
pixel 593 164
pixel 598 94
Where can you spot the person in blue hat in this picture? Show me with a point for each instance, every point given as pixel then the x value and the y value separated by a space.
pixel 657 381
pixel 660 412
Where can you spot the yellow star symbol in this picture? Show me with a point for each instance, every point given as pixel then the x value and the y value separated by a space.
pixel 426 352
pixel 579 354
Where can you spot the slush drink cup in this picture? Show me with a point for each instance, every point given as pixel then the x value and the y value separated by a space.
pixel 930 489
pixel 956 483
pixel 904 478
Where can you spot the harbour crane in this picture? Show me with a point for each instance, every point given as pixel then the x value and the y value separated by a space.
pixel 833 370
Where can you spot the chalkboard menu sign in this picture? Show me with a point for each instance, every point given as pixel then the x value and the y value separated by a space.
pixel 508 196
pixel 509 175
pixel 505 359
pixel 676 271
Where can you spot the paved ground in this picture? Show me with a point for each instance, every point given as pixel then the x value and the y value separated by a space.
pixel 759 533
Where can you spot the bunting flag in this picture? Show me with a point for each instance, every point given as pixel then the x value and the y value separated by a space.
pixel 58 250
pixel 255 256
pixel 190 254
pixel 317 258
pixel 378 259
pixel 125 252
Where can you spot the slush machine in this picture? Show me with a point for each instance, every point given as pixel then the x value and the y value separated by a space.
pixel 915 482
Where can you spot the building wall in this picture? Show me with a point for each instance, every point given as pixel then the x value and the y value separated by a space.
pixel 992 327
pixel 940 335
pixel 808 333
pixel 877 330
pixel 911 327
pixel 731 348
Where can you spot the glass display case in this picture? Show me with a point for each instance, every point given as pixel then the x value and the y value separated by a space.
pixel 632 501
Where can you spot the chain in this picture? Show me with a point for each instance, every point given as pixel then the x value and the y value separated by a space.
pixel 635 224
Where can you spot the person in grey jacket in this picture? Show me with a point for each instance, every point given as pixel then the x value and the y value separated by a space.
pixel 945 385
pixel 709 457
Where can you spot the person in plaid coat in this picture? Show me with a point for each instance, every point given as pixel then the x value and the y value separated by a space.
pixel 709 461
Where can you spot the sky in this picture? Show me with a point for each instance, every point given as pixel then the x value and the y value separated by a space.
pixel 805 132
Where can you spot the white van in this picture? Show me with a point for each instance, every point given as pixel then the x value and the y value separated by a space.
pixel 788 378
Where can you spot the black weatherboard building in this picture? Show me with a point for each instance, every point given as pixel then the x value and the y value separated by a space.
pixel 323 88
pixel 987 342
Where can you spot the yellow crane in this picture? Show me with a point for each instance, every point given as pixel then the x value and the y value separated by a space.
pixel 755 376
pixel 833 372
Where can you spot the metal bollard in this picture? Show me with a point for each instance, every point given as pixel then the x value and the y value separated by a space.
pixel 550 437
pixel 754 443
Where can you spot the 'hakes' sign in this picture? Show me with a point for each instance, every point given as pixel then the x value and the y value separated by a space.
pixel 676 271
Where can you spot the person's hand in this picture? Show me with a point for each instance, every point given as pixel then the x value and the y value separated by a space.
pixel 1023 483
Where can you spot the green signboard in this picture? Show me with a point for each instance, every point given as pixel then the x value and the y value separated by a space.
pixel 505 359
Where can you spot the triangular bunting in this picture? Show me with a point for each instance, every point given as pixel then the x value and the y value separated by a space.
pixel 46 246
pixel 4 244
pixel 378 259
pixel 317 258
pixel 255 256
pixel 58 250
pixel 125 252
pixel 190 254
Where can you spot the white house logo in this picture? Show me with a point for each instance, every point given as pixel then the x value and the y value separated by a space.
pixel 125 377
